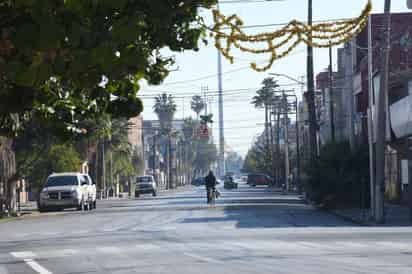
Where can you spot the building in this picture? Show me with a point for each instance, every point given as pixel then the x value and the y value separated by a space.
pixel 399 100
pixel 333 104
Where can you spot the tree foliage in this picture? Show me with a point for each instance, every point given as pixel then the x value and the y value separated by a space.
pixel 68 59
pixel 266 94
pixel 56 158
pixel 197 104
pixel 165 108
pixel 257 159
pixel 339 176
pixel 202 154
pixel 206 155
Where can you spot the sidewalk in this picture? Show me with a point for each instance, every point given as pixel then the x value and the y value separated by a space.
pixel 395 215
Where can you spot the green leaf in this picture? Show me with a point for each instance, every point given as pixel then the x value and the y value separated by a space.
pixel 44 73
pixel 26 77
pixel 26 36
pixel 124 31
pixel 24 3
pixel 59 65
pixel 74 5
pixel 117 4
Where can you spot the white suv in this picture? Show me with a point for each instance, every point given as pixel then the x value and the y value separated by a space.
pixel 145 184
pixel 67 190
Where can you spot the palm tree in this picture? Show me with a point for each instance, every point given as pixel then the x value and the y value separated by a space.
pixel 197 105
pixel 264 98
pixel 165 108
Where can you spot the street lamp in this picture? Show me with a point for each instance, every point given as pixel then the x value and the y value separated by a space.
pixel 289 77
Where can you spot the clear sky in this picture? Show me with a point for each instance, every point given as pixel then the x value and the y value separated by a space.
pixel 199 69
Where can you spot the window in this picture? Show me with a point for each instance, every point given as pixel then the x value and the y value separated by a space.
pixel 62 181
pixel 87 179
pixel 144 179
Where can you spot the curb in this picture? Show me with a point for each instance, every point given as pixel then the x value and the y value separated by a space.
pixel 336 214
pixel 346 218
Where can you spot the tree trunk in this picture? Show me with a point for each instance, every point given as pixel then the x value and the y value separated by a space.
pixel 8 174
pixel 12 197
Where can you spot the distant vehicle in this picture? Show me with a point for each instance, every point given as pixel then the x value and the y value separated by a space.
pixel 145 184
pixel 229 183
pixel 67 190
pixel 200 181
pixel 257 179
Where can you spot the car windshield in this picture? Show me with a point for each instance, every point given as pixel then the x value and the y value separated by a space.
pixel 62 181
pixel 144 179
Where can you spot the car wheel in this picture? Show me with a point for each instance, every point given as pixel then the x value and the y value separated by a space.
pixel 81 206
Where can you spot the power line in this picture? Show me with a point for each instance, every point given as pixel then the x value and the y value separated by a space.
pixel 227 92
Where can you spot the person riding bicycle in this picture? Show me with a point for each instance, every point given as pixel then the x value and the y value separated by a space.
pixel 210 182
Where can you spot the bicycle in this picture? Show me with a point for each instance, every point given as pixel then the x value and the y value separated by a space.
pixel 211 195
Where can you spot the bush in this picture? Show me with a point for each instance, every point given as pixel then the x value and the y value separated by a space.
pixel 339 177
pixel 58 158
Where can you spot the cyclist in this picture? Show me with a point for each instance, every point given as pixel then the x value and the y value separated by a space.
pixel 210 182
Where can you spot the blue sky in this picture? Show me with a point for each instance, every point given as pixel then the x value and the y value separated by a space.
pixel 199 69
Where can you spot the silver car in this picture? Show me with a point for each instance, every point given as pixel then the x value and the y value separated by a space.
pixel 144 185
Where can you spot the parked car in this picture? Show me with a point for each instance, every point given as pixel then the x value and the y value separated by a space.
pixel 256 179
pixel 229 183
pixel 200 181
pixel 145 184
pixel 67 190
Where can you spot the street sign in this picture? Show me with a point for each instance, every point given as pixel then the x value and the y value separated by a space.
pixel 203 131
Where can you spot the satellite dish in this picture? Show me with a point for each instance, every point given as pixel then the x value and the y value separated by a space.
pixel 409 4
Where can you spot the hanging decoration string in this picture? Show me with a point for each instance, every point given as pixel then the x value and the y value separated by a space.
pixel 228 34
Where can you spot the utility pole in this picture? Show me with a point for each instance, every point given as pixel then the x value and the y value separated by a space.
pixel 154 157
pixel 204 91
pixel 381 119
pixel 222 168
pixel 331 99
pixel 297 148
pixel 272 144
pixel 286 124
pixel 169 160
pixel 371 129
pixel 311 92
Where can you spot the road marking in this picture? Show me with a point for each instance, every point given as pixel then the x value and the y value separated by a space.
pixel 202 258
pixel 27 257
pixel 23 255
pixel 36 267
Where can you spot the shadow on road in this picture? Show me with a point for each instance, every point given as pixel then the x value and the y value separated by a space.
pixel 266 208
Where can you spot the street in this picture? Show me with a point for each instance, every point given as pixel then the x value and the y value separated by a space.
pixel 248 231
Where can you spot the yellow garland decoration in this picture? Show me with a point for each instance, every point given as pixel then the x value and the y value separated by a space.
pixel 281 42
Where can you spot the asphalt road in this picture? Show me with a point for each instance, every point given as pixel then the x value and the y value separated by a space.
pixel 248 231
